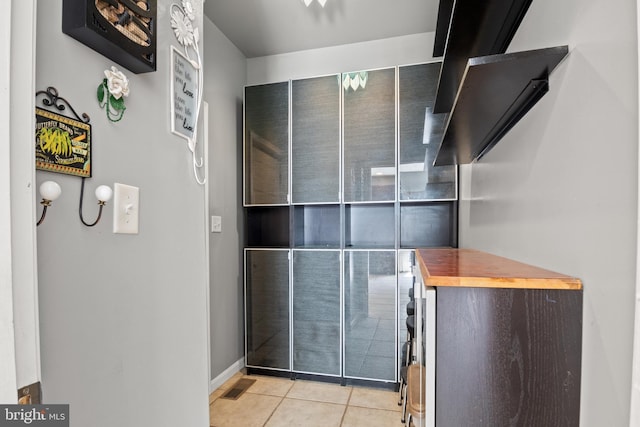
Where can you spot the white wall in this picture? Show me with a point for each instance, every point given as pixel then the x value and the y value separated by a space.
pixel 635 390
pixel 561 189
pixel 7 346
pixel 352 57
pixel 123 317
pixel 225 78
pixel 23 244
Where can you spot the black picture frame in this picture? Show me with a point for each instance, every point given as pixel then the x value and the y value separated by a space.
pixel 120 30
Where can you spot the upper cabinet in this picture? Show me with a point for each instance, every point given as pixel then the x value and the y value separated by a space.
pixel 485 91
pixel 369 129
pixel 315 133
pixel 266 144
pixel 420 133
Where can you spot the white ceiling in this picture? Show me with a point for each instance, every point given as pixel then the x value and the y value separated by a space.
pixel 269 27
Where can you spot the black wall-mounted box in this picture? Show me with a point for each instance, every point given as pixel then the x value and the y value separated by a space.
pixel 121 30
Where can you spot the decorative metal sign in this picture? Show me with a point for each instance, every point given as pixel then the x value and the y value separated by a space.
pixel 62 144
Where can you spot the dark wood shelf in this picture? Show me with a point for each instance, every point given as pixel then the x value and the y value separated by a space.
pixel 467 29
pixel 495 93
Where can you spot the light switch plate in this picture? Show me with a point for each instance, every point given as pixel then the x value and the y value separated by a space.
pixel 126 204
pixel 216 224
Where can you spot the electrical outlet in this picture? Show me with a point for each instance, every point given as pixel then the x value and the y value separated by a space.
pixel 125 208
pixel 216 224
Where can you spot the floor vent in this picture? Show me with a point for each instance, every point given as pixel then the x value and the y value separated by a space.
pixel 237 389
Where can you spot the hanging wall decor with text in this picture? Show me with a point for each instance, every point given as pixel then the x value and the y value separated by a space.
pixel 186 79
pixel 184 90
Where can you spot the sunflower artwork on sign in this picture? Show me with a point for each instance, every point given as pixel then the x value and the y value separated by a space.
pixel 63 145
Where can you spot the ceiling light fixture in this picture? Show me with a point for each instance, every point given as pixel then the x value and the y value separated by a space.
pixel 308 2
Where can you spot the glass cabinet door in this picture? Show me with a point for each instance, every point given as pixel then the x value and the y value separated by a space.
pixel 316 312
pixel 267 308
pixel 369 130
pixel 315 140
pixel 370 314
pixel 421 132
pixel 266 144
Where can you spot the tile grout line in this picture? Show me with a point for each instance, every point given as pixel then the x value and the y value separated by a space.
pixel 278 405
pixel 274 411
pixel 346 406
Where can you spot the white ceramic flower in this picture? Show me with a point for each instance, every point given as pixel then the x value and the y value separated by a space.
pixel 188 9
pixel 182 27
pixel 117 83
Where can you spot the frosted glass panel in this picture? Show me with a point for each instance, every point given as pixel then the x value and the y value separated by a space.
pixel 370 315
pixel 267 308
pixel 266 139
pixel 369 139
pixel 315 146
pixel 316 312
pixel 420 136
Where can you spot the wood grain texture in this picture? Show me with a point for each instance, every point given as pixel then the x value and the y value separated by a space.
pixel 508 357
pixel 471 268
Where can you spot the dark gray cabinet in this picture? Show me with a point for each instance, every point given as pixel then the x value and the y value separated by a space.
pixel 266 144
pixel 316 312
pixel 420 133
pixel 315 140
pixel 339 188
pixel 370 287
pixel 369 135
pixel 267 341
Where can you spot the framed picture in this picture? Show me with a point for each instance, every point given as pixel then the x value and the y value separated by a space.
pixel 184 93
pixel 62 144
pixel 121 30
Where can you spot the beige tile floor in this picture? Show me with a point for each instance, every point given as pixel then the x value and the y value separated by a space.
pixel 279 402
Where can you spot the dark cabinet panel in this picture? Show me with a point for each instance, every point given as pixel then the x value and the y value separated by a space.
pixel 428 225
pixel 316 312
pixel 369 135
pixel 315 146
pixel 267 308
pixel 420 134
pixel 266 144
pixel 508 357
pixel 370 315
pixel 316 226
pixel 267 226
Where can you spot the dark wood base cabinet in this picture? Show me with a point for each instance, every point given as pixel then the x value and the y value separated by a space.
pixel 508 357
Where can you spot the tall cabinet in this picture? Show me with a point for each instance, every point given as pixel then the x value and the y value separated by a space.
pixel 339 188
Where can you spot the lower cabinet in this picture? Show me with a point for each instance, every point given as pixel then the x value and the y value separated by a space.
pixel 508 357
pixel 329 312
pixel 316 312
pixel 267 338
pixel 370 314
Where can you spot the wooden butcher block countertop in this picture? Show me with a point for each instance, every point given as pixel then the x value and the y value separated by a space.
pixel 476 269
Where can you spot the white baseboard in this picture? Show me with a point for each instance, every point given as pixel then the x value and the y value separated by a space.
pixel 226 374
